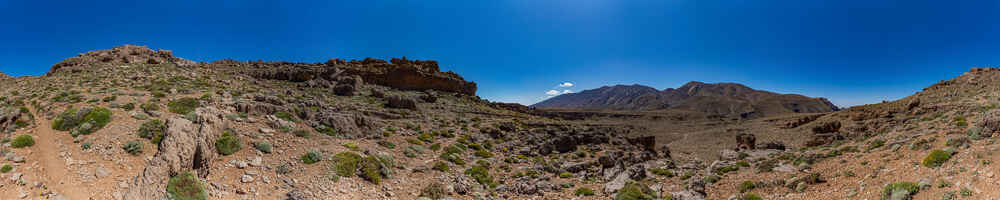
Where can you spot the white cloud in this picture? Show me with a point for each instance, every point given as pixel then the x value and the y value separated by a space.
pixel 566 84
pixel 552 92
pixel 567 91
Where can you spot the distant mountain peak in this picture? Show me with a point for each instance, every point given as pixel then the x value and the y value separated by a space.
pixel 732 99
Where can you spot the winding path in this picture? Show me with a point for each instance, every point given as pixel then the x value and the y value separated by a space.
pixel 55 174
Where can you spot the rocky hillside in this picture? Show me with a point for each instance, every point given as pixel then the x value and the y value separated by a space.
pixel 4 76
pixel 727 99
pixel 136 123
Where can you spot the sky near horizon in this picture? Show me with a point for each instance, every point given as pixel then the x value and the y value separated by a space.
pixel 852 52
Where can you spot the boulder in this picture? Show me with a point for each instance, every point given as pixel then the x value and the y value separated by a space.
pixel 647 143
pixel 746 141
pixel 344 90
pixel 402 103
pixel 186 146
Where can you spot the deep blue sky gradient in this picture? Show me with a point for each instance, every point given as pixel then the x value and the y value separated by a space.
pixel 852 52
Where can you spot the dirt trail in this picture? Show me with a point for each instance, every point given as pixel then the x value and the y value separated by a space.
pixel 56 174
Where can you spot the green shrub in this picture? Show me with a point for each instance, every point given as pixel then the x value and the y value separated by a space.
pixel 263 146
pixel 966 192
pixel 441 166
pixel 482 175
pixel 109 98
pixel 302 133
pixel 875 144
pixel 159 94
pixel 326 130
pixel 752 196
pixel 6 168
pixel 426 137
pixel 228 143
pixel 129 106
pixel 565 175
pixel 726 169
pixel 436 146
pixel 387 144
pixel 662 172
pixel 149 107
pixel 747 186
pixel 22 141
pixel 185 186
pixel 312 157
pixel 482 153
pixel 370 169
pixel 133 147
pixel 936 158
pixel 86 145
pixel 453 158
pixel 153 130
pixel 70 120
pixel 899 188
pixel 346 163
pixel 286 116
pixel 352 146
pixel 434 191
pixel 414 141
pixel 183 106
pixel 583 191
pixel 635 191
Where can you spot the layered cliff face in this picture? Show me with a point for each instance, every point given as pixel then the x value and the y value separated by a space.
pixel 400 73
pixel 729 99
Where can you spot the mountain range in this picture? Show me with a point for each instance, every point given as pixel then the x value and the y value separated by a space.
pixel 728 99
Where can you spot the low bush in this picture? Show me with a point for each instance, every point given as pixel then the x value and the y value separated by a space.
pixel 481 175
pixel 899 190
pixel 153 130
pixel 286 116
pixel 936 158
pixel 302 133
pixel 228 143
pixel 22 141
pixel 6 168
pixel 133 147
pixel 387 144
pixel 635 191
pixel 434 191
pixel 183 106
pixel 263 146
pixel 346 163
pixel 747 186
pixel 185 186
pixel 312 157
pixel 82 121
pixel 583 191
pixel 441 166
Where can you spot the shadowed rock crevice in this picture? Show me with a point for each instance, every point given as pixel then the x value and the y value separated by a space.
pixel 187 146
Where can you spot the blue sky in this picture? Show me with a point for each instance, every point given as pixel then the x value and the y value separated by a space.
pixel 852 52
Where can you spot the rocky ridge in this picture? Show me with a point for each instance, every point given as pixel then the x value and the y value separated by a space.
pixel 726 99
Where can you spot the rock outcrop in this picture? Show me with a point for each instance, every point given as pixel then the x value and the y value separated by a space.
pixel 5 76
pixel 7 118
pixel 120 55
pixel 401 74
pixel 187 146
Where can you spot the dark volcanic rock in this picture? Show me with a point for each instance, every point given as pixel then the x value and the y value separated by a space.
pixel 746 141
pixel 402 102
